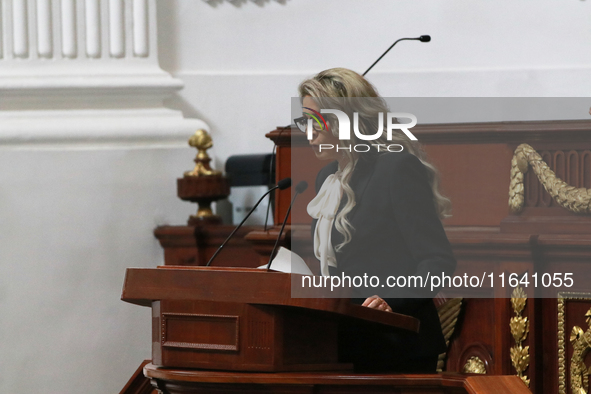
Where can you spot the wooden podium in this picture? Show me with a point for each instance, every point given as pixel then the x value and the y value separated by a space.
pixel 246 334
pixel 243 319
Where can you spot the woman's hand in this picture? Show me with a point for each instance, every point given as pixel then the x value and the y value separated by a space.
pixel 376 302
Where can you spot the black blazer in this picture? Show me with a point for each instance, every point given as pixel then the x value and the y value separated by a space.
pixel 397 233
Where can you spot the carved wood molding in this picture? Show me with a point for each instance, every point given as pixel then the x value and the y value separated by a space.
pixel 574 199
pixel 561 302
pixel 581 342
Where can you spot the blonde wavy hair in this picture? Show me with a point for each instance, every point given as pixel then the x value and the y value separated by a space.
pixel 341 88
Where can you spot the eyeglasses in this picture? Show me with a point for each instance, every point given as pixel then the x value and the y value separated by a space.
pixel 302 124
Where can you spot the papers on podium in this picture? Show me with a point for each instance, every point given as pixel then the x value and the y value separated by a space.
pixel 289 262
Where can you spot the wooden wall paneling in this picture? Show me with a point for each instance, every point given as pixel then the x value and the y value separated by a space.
pixel 282 171
pixel 474 159
pixel 484 328
pixel 562 253
pixel 475 177
pixel 472 338
pixel 549 347
pixel 190 245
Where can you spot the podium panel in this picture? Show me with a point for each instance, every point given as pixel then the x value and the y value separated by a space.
pixel 245 337
pixel 243 319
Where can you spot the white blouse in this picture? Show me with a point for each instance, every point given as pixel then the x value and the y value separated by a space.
pixel 324 208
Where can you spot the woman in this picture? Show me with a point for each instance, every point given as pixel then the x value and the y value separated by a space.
pixel 376 213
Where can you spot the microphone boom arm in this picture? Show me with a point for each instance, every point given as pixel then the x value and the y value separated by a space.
pixel 421 38
pixel 281 231
pixel 282 184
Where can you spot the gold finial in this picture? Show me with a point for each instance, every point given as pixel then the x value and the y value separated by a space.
pixel 202 141
pixel 203 185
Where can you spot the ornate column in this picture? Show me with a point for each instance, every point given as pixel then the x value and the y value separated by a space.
pixel 85 71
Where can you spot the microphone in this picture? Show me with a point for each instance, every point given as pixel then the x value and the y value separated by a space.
pixel 281 185
pixel 300 188
pixel 421 39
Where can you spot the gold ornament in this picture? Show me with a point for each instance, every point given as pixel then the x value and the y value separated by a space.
pixel 203 185
pixel 519 326
pixel 202 141
pixel 579 373
pixel 474 365
pixel 577 200
pixel 563 297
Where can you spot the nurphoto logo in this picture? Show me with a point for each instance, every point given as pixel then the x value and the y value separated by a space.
pixel 316 122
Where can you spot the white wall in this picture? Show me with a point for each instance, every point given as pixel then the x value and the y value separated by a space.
pixel 74 217
pixel 240 64
pixel 72 222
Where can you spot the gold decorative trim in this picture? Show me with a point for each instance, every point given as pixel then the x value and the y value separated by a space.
pixel 561 346
pixel 574 199
pixel 581 341
pixel 519 329
pixel 561 303
pixel 474 365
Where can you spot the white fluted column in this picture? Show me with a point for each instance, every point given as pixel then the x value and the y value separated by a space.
pixel 93 28
pixel 116 28
pixel 74 21
pixel 44 29
pixel 141 37
pixel 95 58
pixel 20 36
pixel 68 29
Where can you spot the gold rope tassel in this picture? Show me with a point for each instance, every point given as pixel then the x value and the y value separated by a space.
pixel 577 200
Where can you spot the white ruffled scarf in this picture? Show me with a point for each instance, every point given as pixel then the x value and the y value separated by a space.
pixel 324 208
